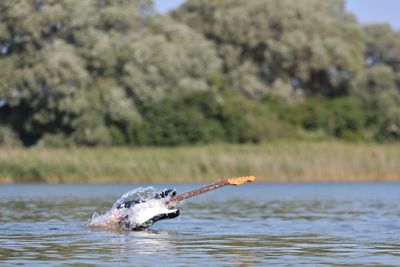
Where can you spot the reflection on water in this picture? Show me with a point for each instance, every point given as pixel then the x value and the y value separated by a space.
pixel 252 225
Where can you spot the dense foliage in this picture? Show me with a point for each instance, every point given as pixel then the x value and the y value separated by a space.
pixel 102 72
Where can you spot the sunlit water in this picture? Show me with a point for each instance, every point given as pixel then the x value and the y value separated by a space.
pixel 250 225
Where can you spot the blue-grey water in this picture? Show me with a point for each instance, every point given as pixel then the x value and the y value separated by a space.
pixel 250 225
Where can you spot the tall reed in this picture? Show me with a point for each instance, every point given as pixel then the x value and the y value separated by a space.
pixel 275 162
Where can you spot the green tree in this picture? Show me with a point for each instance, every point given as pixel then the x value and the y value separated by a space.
pixel 48 79
pixel 169 61
pixel 383 46
pixel 114 72
pixel 47 93
pixel 312 45
pixel 75 70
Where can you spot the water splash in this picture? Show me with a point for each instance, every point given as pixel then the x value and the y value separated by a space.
pixel 140 194
pixel 147 205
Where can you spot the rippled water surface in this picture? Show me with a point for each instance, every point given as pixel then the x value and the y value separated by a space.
pixel 250 225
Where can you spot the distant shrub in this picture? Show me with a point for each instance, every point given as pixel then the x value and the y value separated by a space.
pixel 118 137
pixel 91 131
pixel 205 117
pixel 8 137
pixel 249 121
pixel 341 117
pixel 187 120
pixel 346 119
pixel 54 140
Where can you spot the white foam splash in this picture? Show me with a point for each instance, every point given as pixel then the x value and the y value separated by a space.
pixel 137 214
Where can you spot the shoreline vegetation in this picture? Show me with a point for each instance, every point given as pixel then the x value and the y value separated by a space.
pixel 327 161
pixel 117 73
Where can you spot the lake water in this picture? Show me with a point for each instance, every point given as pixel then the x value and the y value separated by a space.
pixel 250 225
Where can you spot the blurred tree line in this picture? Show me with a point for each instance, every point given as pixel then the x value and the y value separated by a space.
pixel 114 72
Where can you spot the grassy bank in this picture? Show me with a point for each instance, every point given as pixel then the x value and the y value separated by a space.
pixel 278 162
